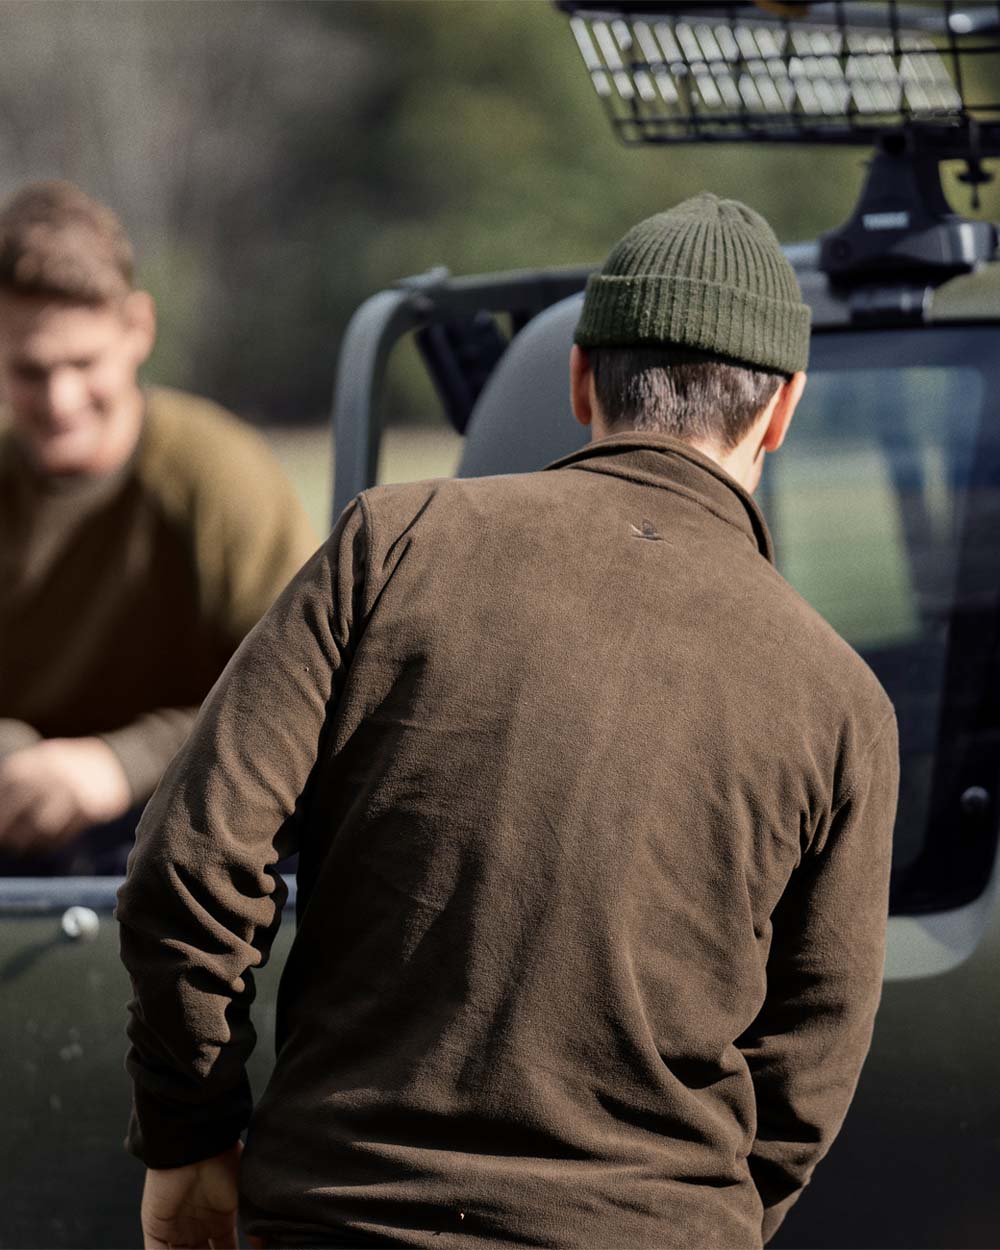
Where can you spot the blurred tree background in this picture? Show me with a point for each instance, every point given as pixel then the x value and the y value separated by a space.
pixel 277 161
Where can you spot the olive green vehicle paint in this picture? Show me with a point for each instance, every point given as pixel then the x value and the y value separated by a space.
pixel 65 1178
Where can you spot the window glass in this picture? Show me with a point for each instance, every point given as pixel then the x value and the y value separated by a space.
pixel 867 503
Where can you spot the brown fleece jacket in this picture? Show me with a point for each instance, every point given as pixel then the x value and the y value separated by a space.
pixel 594 815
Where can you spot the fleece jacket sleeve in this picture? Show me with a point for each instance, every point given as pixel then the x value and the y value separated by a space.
pixel 201 902
pixel 146 746
pixel 824 977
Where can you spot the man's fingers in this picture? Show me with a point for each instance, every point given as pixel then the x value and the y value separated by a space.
pixel 13 801
pixel 222 1233
pixel 34 825
pixel 227 1241
pixel 192 1233
pixel 32 815
pixel 65 784
pixel 18 830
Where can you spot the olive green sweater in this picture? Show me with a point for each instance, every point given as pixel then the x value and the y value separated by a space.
pixel 594 815
pixel 122 597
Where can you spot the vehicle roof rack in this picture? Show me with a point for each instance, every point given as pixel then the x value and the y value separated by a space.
pixel 770 71
pixel 919 83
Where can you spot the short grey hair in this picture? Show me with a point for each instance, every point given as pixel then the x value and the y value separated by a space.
pixel 691 395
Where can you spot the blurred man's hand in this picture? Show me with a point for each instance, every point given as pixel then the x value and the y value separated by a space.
pixel 194 1205
pixel 52 791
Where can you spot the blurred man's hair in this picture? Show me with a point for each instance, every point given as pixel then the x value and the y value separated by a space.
pixel 690 395
pixel 56 241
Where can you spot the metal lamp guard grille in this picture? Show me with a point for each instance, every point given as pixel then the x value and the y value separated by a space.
pixel 834 73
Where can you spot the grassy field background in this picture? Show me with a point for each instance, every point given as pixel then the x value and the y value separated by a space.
pixel 409 454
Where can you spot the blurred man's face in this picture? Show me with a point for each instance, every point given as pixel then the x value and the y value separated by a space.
pixel 68 375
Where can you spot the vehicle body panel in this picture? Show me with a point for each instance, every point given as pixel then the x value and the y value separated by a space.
pixel 65 1094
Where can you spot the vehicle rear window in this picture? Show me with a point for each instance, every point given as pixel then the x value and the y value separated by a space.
pixel 876 503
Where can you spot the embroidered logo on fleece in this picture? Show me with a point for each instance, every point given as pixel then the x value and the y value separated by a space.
pixel 648 531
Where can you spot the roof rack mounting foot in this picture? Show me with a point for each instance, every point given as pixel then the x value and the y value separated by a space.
pixel 903 226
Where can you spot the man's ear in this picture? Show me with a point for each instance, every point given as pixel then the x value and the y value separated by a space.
pixel 139 313
pixel 783 405
pixel 580 385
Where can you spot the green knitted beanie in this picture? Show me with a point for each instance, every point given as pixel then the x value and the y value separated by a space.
pixel 709 274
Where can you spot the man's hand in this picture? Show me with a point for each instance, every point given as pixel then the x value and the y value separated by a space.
pixel 52 791
pixel 193 1206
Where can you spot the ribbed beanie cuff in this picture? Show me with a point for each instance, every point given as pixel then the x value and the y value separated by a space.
pixel 709 274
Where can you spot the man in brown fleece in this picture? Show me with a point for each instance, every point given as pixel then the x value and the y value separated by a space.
pixel 142 533
pixel 594 818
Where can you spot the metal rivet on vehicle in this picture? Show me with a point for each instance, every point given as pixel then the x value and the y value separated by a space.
pixel 975 801
pixel 80 924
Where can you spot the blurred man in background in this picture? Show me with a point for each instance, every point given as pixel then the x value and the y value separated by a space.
pixel 142 533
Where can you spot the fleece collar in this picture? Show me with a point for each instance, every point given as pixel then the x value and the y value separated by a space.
pixel 672 464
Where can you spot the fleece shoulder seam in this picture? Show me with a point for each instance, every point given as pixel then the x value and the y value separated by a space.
pixel 368 538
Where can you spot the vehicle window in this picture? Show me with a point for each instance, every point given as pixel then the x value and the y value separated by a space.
pixel 869 504
pixel 866 495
